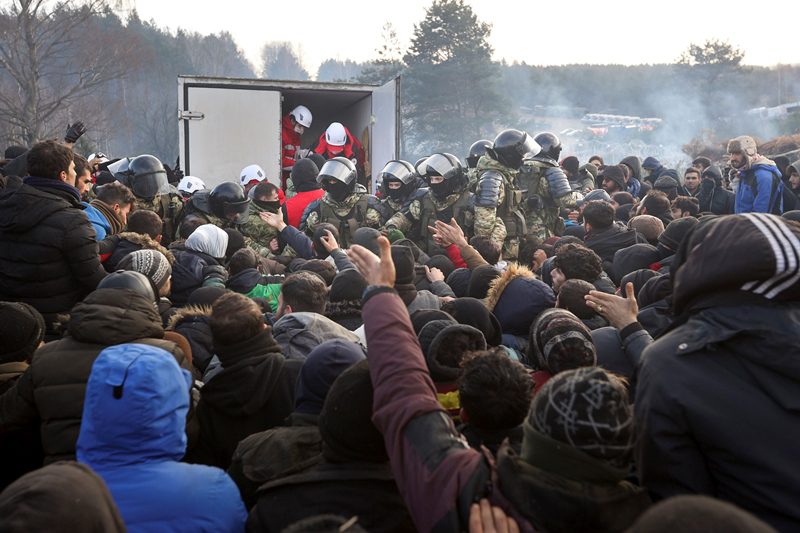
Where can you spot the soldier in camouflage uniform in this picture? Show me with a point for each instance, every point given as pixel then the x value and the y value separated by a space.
pixel 147 178
pixel 199 205
pixel 498 199
pixel 257 233
pixel 476 151
pixel 447 197
pixel 547 191
pixel 400 185
pixel 346 203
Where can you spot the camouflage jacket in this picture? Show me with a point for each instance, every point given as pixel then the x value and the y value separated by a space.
pixel 257 233
pixel 355 211
pixel 540 208
pixel 166 206
pixel 422 212
pixel 505 223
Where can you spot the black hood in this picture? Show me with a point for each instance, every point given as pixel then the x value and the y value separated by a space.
pixel 244 281
pixel 114 316
pixel 26 207
pixel 635 163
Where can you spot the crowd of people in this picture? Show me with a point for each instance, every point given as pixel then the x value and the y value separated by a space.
pixel 519 342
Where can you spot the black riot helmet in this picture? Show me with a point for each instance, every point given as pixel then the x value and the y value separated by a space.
pixel 550 143
pixel 477 150
pixel 448 167
pixel 338 178
pixel 399 171
pixel 510 147
pixel 419 167
pixel 129 279
pixel 147 177
pixel 228 201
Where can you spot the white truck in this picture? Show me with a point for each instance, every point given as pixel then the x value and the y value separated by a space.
pixel 227 124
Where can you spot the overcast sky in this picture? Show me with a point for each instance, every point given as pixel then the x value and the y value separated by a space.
pixel 571 31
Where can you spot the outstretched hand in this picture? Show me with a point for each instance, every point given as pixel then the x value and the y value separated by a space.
pixel 274 220
pixel 329 241
pixel 620 312
pixel 376 270
pixel 449 233
pixel 485 518
pixel 74 132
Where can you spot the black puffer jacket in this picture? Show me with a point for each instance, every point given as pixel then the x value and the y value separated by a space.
pixel 51 391
pixel 605 243
pixel 193 323
pixel 48 256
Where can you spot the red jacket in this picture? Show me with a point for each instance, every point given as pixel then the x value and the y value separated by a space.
pixel 290 143
pixel 352 149
pixel 295 205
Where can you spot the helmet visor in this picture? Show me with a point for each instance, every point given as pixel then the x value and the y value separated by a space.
pixel 528 148
pixel 439 165
pixel 150 185
pixel 237 212
pixel 336 170
pixel 398 171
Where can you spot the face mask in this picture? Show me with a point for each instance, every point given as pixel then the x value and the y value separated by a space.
pixel 335 150
pixel 272 207
pixel 440 189
pixel 299 129
pixel 395 194
pixel 338 191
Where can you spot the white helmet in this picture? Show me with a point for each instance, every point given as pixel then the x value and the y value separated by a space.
pixel 251 173
pixel 302 115
pixel 191 184
pixel 100 156
pixel 336 135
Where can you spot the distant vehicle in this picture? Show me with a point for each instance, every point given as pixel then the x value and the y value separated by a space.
pixel 229 123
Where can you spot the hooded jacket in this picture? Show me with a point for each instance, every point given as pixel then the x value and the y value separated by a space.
pixel 45 500
pixel 193 269
pixel 254 284
pixel 606 242
pixel 299 333
pixel 134 436
pixel 114 249
pixel 49 255
pixel 51 391
pixel 192 322
pixel 760 188
pixel 253 392
pixel 713 197
pixel 736 350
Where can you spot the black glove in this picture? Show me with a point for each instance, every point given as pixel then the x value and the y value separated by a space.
pixel 177 170
pixel 74 132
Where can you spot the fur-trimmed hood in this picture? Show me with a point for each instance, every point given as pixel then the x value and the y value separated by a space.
pixel 145 241
pixel 518 307
pixel 187 313
pixel 499 284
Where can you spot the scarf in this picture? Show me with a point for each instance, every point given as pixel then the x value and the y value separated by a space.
pixel 113 218
pixel 55 184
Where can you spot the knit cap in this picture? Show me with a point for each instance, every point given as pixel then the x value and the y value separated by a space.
pixel 560 341
pixel 151 263
pixel 348 285
pixel 403 259
pixel 21 331
pixel 588 409
pixel 444 343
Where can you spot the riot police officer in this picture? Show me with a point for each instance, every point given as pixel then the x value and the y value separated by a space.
pixel 147 178
pixel 546 190
pixel 447 197
pixel 400 184
pixel 476 151
pixel 498 198
pixel 345 204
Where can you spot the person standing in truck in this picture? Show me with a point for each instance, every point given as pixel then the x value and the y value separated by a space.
pixel 293 126
pixel 337 141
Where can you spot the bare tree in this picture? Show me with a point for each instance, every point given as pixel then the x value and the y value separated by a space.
pixel 51 56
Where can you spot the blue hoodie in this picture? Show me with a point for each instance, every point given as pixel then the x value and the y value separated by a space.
pixel 759 178
pixel 133 436
pixel 99 222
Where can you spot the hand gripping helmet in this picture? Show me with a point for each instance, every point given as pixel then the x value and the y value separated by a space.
pixel 228 201
pixel 338 177
pixel 398 170
pixel 128 279
pixel 511 147
pixel 550 143
pixel 477 150
pixel 302 116
pixel 147 177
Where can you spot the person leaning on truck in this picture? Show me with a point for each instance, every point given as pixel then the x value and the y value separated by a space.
pixel 293 126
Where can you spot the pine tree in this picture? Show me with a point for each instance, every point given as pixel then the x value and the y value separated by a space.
pixel 450 91
pixel 389 62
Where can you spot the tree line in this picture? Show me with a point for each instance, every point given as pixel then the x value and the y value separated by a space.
pixel 67 61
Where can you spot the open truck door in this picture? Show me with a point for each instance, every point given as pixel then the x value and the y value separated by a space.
pixel 229 123
pixel 226 127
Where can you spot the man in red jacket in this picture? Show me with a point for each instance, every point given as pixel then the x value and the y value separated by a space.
pixel 337 141
pixel 293 126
